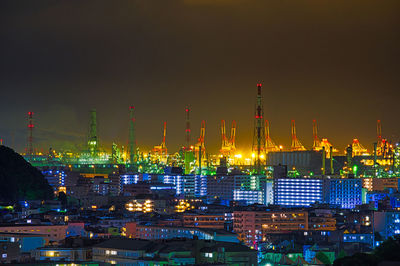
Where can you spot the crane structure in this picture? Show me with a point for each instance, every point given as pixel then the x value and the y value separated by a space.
pixel 269 143
pixel 296 144
pixel 382 144
pixel 316 142
pixel 358 149
pixel 199 147
pixel 162 148
pixel 323 144
pixel 259 133
pixel 228 146
pixel 30 150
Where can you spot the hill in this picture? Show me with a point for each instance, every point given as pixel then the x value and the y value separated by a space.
pixel 19 180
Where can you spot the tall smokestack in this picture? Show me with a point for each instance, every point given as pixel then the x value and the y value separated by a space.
pixel 29 150
pixel 323 161
pixel 187 130
pixel 349 153
pixel 132 140
pixel 375 156
pixel 331 159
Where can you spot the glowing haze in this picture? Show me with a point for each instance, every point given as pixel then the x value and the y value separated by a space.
pixel 334 61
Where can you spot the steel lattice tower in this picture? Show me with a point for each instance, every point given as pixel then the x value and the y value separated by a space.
pixel 259 132
pixel 93 143
pixel 29 150
pixel 187 130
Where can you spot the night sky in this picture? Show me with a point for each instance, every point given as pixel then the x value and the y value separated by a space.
pixel 334 61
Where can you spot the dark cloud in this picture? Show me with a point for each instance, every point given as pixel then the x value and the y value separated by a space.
pixel 335 61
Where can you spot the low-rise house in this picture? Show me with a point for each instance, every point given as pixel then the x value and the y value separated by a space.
pixel 13 246
pixel 173 252
pixel 154 232
pixel 51 233
pixel 62 254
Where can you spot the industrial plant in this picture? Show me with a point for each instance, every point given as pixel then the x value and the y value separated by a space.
pixel 193 157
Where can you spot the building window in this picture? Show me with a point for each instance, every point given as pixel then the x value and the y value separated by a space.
pixel 52 254
pixel 208 255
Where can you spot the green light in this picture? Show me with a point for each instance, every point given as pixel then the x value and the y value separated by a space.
pixel 355 168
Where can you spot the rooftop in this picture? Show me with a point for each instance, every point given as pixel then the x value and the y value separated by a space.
pixel 125 244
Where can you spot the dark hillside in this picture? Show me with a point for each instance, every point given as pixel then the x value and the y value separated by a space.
pixel 19 180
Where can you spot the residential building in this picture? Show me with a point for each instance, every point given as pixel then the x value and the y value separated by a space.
pixel 154 232
pixel 51 233
pixel 173 252
pixel 251 225
pixel 297 192
pixel 344 192
pixel 380 184
pixel 62 254
pixel 204 220
pixel 387 223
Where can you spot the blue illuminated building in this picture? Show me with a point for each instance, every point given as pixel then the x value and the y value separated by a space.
pixel 248 196
pixel 387 223
pixel 189 186
pixel 268 193
pixel 200 186
pixel 55 177
pixel 376 196
pixel 297 192
pixel 223 187
pixel 162 187
pixel 177 180
pixel 359 238
pixel 129 179
pixel 395 200
pixel 343 192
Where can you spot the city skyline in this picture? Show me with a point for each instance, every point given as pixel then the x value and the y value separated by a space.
pixel 199 132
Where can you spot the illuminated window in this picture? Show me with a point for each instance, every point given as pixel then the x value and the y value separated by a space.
pixel 52 254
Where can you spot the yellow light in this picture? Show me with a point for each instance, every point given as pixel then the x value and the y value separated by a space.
pixel 253 155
